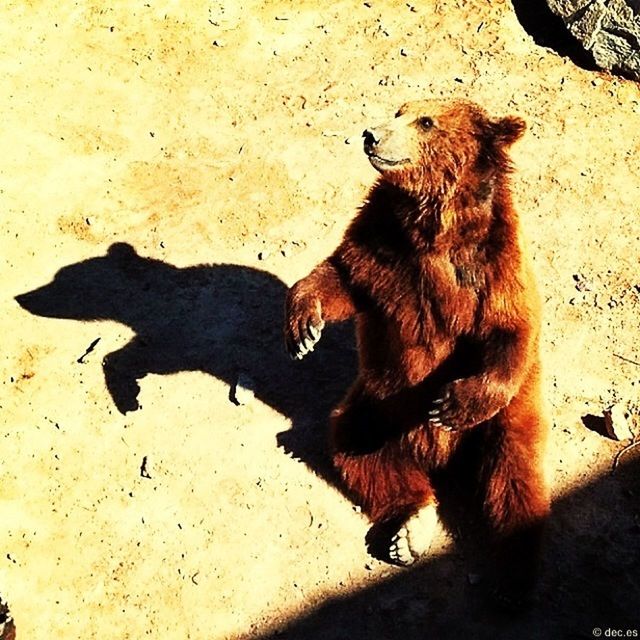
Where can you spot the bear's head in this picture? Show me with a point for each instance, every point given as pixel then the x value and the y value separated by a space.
pixel 95 289
pixel 432 146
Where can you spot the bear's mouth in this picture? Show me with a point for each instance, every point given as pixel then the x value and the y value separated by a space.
pixel 382 163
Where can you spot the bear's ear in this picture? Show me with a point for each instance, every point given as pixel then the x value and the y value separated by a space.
pixel 506 130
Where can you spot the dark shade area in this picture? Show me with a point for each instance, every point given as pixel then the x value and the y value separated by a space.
pixel 548 30
pixel 590 580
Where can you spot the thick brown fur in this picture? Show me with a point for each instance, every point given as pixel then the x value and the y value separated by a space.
pixel 447 318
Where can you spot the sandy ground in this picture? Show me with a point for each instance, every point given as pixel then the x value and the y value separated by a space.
pixel 167 170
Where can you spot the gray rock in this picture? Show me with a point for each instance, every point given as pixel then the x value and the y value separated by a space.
pixel 567 8
pixel 608 29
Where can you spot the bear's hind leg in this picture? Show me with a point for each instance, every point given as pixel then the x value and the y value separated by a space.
pixel 516 497
pixel 385 480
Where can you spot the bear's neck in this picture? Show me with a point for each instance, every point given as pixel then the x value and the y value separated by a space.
pixel 478 214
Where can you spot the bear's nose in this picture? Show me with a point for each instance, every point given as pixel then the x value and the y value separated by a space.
pixel 370 137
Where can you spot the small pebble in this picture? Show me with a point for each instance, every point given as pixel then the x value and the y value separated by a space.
pixel 582 284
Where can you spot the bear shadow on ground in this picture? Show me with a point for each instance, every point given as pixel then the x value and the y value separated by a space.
pixel 221 319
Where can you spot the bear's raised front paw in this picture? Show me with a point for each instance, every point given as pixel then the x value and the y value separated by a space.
pixel 414 537
pixel 303 325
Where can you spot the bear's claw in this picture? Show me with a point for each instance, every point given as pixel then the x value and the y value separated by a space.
pixel 305 326
pixel 441 407
pixel 306 340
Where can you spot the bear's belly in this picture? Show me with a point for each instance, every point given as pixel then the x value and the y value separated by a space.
pixel 391 361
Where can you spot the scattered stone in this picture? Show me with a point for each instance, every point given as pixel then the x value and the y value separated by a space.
pixel 616 422
pixel 244 390
pixel 582 284
pixel 289 247
pixel 263 255
pixel 144 473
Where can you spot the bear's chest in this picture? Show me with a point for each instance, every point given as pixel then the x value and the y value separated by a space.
pixel 426 300
pixel 448 293
pixel 419 297
pixel 414 312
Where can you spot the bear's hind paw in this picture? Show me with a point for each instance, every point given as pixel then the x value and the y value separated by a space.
pixel 414 537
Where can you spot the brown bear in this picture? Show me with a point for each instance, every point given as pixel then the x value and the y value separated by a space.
pixel 447 316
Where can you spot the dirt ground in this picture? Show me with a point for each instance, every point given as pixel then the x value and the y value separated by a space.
pixel 168 169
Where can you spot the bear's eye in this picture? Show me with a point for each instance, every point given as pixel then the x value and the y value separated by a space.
pixel 425 122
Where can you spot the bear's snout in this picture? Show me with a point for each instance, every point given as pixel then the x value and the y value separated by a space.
pixel 371 139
